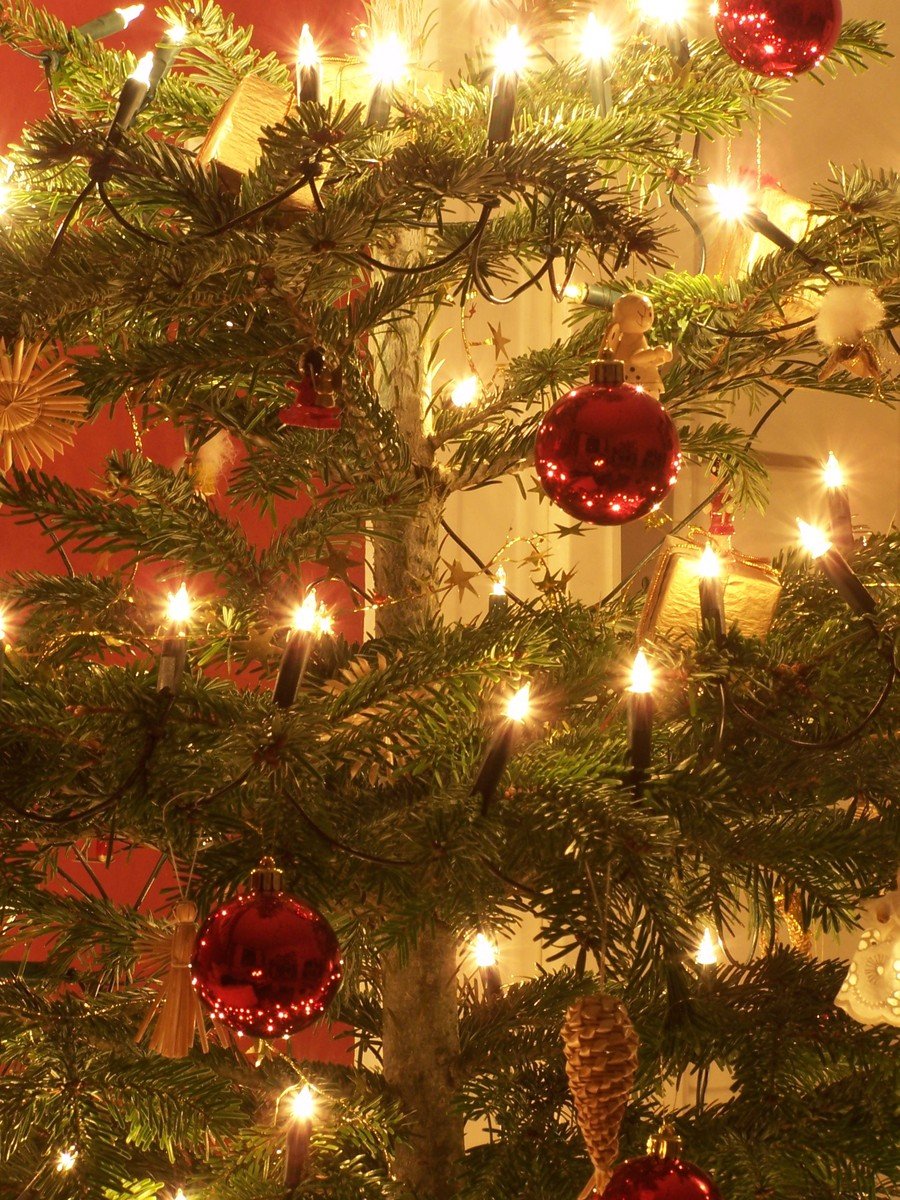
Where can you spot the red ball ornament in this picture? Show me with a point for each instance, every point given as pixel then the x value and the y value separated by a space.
pixel 778 37
pixel 607 452
pixel 266 963
pixel 660 1176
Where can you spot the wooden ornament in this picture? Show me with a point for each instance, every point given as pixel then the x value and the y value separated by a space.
pixel 601 1048
pixel 632 319
pixel 176 1011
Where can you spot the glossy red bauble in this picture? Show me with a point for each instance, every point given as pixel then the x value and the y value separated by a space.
pixel 266 964
pixel 656 1177
pixel 778 37
pixel 607 453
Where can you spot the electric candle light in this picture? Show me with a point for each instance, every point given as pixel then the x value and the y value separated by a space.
pixel 498 600
pixel 179 1195
pixel 640 715
pixel 296 1151
pixel 164 56
pixel 510 59
pixel 712 594
pixel 670 14
pixel 111 22
pixel 596 49
pixel 734 203
pixel 134 92
pixel 308 621
pixel 484 953
pixel 594 295
pixel 501 747
pixel 839 517
pixel 465 392
pixel 308 68
pixel 388 62
pixel 173 654
pixel 707 955
pixel 65 1160
pixel 847 584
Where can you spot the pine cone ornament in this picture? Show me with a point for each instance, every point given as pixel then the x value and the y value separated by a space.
pixel 37 416
pixel 601 1060
pixel 176 1010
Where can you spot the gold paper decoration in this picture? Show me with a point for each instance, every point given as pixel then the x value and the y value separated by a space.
pixel 37 415
pixel 672 608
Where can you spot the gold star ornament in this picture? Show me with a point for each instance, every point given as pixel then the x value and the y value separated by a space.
pixel 38 415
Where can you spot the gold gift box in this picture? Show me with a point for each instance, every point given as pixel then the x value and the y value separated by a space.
pixel 752 590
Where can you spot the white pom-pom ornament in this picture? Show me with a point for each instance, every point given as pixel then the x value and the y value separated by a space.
pixel 846 314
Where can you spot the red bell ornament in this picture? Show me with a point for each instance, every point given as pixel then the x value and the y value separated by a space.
pixel 607 452
pixel 660 1175
pixel 266 964
pixel 779 38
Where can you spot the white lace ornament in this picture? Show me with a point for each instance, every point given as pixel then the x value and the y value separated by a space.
pixel 871 992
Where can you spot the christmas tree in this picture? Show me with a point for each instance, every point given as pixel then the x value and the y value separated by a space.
pixel 344 785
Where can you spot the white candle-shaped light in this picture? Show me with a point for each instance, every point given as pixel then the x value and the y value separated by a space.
pixel 707 953
pixel 846 582
pixel 65 1161
pixel 501 747
pixel 388 63
pixel 299 1134
pixel 465 392
pixel 179 1195
pixel 173 653
pixel 498 601
pixel 670 16
pixel 510 59
pixel 839 516
pixel 308 68
pixel 712 594
pixel 309 621
pixel 735 203
pixel 132 96
pixel 111 22
pixel 640 715
pixel 164 56
pixel 596 49
pixel 484 953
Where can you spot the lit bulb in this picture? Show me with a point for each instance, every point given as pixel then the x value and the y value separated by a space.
pixel 302 1104
pixel 141 73
pixel 131 13
pixel 596 42
pixel 2 630
pixel 575 291
pixel 832 473
pixel 709 565
pixel 388 61
pixel 732 201
pixel 65 1160
pixel 814 541
pixel 179 1195
pixel 484 952
pixel 663 12
pixel 307 54
pixel 511 55
pixel 176 33
pixel 707 955
pixel 306 615
pixel 179 607
pixel 499 585
pixel 641 675
pixel 518 705
pixel 465 392
pixel 324 623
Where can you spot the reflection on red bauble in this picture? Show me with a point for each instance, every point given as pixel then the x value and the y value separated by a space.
pixel 266 963
pixel 660 1177
pixel 778 37
pixel 607 452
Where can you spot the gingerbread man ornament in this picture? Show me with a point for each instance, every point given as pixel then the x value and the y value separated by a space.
pixel 632 317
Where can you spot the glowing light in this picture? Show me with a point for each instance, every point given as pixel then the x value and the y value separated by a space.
pixel 465 392
pixel 499 585
pixel 306 615
pixel 179 606
pixel 141 73
pixel 484 952
pixel 325 624
pixel 707 954
pixel 65 1160
pixel 2 630
pixel 518 706
pixel 575 291
pixel 131 13
pixel 732 201
pixel 303 1106
pixel 511 55
pixel 832 473
pixel 596 41
pixel 815 541
pixel 179 1195
pixel 641 675
pixel 663 12
pixel 307 54
pixel 709 565
pixel 176 33
pixel 388 61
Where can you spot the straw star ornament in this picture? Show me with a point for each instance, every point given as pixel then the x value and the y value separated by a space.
pixel 38 416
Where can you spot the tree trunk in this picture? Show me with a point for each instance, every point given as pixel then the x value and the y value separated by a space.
pixel 420 1022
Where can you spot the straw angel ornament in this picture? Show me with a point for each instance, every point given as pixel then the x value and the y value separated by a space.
pixel 176 1014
